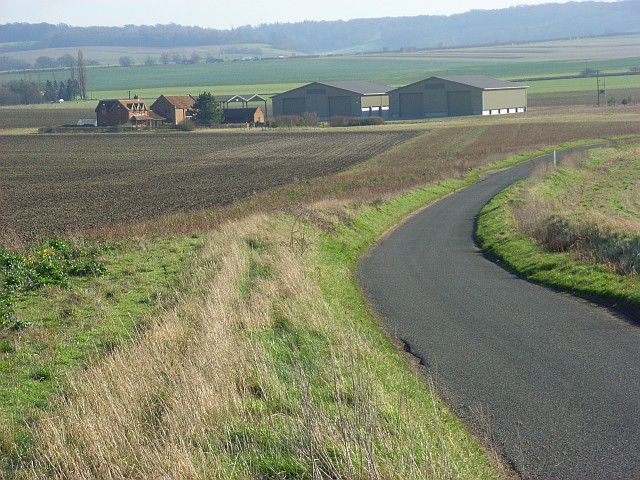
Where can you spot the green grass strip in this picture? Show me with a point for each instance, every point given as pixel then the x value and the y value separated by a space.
pixel 498 236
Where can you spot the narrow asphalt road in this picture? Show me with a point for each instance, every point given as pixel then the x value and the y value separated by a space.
pixel 553 380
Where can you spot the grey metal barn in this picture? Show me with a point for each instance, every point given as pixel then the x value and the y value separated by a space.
pixel 456 96
pixel 331 99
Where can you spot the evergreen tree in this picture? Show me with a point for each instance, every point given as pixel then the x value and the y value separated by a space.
pixel 62 91
pixel 50 91
pixel 206 110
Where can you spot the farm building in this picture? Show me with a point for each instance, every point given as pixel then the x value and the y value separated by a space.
pixel 243 100
pixel 111 113
pixel 456 96
pixel 332 99
pixel 243 115
pixel 174 108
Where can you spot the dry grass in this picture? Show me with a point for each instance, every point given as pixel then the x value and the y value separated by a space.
pixel 590 208
pixel 252 375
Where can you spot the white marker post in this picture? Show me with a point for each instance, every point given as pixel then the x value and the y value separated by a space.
pixel 555 160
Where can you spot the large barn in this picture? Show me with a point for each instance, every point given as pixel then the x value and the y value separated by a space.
pixel 333 99
pixel 456 96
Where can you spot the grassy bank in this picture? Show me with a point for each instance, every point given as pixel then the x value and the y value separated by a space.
pixel 59 327
pixel 268 364
pixel 271 367
pixel 576 228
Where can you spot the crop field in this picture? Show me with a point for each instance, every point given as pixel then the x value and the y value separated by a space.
pixel 569 57
pixel 44 116
pixel 59 183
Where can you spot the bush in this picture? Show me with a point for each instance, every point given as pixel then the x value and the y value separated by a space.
pixel 310 119
pixel 341 121
pixel 287 121
pixel 49 262
pixel 186 125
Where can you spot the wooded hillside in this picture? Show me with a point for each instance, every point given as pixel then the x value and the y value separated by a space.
pixel 478 27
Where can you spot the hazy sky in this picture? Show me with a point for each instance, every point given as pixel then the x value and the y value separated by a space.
pixel 227 14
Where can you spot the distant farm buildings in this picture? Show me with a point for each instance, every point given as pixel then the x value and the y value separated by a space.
pixel 442 96
pixel 457 96
pixel 432 97
pixel 252 116
pixel 175 109
pixel 110 113
pixel 333 99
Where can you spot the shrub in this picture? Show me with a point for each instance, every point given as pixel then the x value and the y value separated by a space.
pixel 49 262
pixel 310 119
pixel 341 121
pixel 287 121
pixel 186 125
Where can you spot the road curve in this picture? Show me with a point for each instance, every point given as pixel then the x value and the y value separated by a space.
pixel 554 380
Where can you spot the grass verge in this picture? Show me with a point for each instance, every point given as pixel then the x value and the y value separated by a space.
pixel 68 327
pixel 502 236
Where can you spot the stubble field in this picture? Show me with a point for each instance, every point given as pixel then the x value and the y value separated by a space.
pixel 54 184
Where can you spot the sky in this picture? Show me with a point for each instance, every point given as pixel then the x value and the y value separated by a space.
pixel 229 14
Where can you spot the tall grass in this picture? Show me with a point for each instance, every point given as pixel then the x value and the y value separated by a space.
pixel 254 374
pixel 571 211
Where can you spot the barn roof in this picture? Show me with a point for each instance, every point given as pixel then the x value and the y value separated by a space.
pixel 480 81
pixel 252 97
pixel 180 101
pixel 363 87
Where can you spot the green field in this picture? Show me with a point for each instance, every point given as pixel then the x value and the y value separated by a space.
pixel 110 55
pixel 511 62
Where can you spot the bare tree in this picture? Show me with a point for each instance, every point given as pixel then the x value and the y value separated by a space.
pixel 82 76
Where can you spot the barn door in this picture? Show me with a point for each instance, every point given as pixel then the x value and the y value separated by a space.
pixel 411 105
pixel 293 106
pixel 339 106
pixel 459 103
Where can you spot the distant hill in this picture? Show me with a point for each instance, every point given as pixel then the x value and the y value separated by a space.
pixel 478 27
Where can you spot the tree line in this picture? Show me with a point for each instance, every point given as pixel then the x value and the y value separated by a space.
pixel 478 27
pixel 26 92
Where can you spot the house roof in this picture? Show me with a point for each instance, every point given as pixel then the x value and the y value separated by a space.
pixel 180 101
pixel 148 116
pixel 480 81
pixel 128 104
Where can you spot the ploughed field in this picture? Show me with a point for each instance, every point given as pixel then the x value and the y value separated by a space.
pixel 52 184
pixel 36 117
